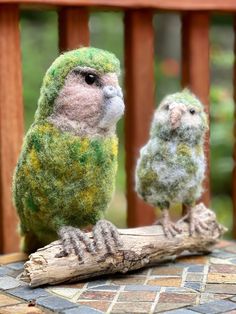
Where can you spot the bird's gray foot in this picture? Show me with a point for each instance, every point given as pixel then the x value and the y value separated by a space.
pixel 169 227
pixel 106 236
pixel 75 241
pixel 195 224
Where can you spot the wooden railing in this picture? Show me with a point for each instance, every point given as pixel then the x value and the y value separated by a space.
pixel 139 82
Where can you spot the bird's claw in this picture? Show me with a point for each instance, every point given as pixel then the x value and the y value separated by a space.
pixel 195 224
pixel 170 228
pixel 106 236
pixel 75 241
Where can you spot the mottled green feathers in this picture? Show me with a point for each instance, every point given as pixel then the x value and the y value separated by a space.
pixel 53 81
pixel 60 178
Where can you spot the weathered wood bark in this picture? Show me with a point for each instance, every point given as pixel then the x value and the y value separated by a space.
pixel 142 246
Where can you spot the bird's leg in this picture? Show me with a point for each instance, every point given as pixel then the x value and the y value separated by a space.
pixel 195 224
pixel 169 227
pixel 75 241
pixel 106 236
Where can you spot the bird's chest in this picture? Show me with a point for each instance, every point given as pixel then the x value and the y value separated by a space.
pixel 175 162
pixel 89 158
pixel 60 159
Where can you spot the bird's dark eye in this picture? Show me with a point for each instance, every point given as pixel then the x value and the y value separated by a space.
pixel 90 78
pixel 192 111
pixel 166 107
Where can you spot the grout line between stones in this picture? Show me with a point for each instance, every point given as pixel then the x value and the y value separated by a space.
pixel 148 276
pixel 156 300
pixel 184 276
pixel 115 299
pixel 78 294
pixel 204 280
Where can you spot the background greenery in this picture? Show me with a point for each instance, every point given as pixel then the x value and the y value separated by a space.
pixel 39 49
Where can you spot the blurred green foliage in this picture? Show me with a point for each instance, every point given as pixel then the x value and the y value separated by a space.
pixel 39 49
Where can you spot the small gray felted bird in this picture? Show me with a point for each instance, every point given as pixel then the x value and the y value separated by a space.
pixel 171 165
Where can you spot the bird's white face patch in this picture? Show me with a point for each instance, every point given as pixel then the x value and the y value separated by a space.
pixel 81 104
pixel 178 114
pixel 191 117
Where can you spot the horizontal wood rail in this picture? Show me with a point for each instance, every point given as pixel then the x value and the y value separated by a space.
pixel 73 27
pixel 173 5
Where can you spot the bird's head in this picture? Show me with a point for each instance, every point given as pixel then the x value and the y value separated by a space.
pixel 81 89
pixel 180 115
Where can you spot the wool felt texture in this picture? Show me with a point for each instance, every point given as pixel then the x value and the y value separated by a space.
pixel 102 61
pixel 172 164
pixel 78 106
pixel 64 178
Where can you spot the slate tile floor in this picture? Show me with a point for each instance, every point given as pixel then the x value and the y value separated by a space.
pixel 200 284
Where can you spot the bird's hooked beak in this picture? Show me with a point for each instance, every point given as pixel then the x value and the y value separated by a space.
pixel 113 106
pixel 175 115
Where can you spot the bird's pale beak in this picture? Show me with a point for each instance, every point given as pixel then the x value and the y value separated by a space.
pixel 176 113
pixel 113 106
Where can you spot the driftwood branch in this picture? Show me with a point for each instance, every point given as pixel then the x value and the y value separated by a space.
pixel 142 247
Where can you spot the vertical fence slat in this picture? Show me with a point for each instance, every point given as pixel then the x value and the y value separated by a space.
pixel 195 71
pixel 139 87
pixel 11 121
pixel 73 28
pixel 234 149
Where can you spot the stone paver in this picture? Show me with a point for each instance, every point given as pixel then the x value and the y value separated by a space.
pixel 131 307
pixel 138 280
pixel 225 269
pixel 167 297
pixel 55 303
pixel 106 287
pixel 219 306
pixel 98 295
pixel 195 260
pixel 221 278
pixel 133 296
pixel 166 281
pixel 194 277
pixel 28 294
pixel 181 311
pixel 8 300
pixel 7 282
pixel 196 269
pixel 4 271
pixel 142 288
pixel 172 270
pixel 64 292
pixel 81 310
pixel 208 297
pixel 16 266
pixel 197 286
pixel 192 284
pixel 164 307
pixel 21 309
pixel 102 306
pixel 221 288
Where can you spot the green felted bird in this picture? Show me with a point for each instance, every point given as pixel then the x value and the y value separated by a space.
pixel 171 165
pixel 65 175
